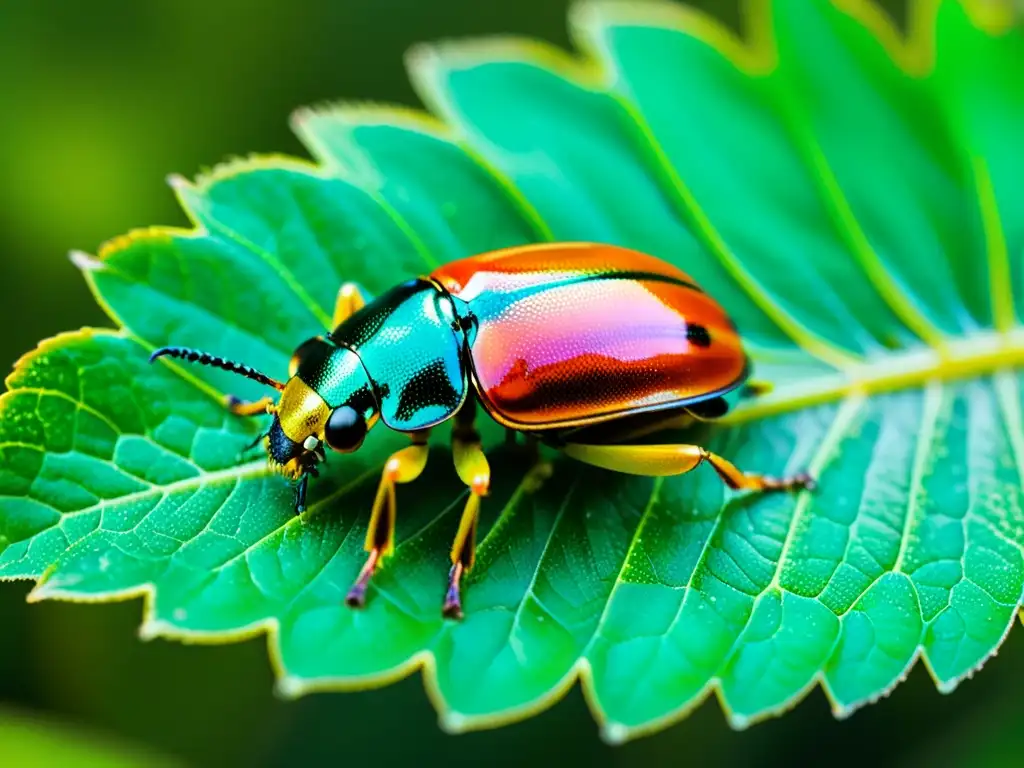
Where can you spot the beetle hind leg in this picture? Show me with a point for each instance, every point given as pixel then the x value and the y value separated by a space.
pixel 739 480
pixel 404 466
pixel 663 460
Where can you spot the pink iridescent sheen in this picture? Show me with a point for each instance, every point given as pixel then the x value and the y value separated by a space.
pixel 573 334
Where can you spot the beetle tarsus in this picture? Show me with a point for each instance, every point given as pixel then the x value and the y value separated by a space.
pixel 802 481
pixel 356 597
pixel 453 598
pixel 300 495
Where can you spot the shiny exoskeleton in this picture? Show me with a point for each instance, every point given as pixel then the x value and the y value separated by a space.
pixel 578 344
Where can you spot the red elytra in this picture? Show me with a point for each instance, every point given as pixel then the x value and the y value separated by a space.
pixel 570 334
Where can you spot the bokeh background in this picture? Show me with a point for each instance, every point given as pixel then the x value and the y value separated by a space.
pixel 99 101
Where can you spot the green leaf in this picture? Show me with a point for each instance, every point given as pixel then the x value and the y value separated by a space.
pixel 848 193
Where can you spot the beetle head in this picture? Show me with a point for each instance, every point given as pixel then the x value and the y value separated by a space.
pixel 305 423
pixel 329 402
pixel 295 440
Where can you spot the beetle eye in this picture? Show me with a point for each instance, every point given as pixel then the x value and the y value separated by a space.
pixel 308 348
pixel 345 430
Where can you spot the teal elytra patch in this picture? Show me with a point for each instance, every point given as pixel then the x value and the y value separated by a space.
pixel 412 351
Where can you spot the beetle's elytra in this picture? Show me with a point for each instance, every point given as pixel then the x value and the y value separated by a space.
pixel 577 345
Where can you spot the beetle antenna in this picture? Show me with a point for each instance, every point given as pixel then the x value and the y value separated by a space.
pixel 202 358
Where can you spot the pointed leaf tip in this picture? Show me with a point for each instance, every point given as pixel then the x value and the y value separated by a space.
pixel 289 688
pixel 301 115
pixel 84 261
pixel 615 734
pixel 177 182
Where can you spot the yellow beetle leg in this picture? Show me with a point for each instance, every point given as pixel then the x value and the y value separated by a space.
pixel 473 469
pixel 736 479
pixel 757 388
pixel 404 466
pixel 350 300
pixel 660 460
pixel 244 408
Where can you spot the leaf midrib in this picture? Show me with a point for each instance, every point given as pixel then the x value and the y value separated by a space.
pixel 971 356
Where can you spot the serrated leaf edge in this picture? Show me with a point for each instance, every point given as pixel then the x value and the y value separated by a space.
pixel 757 57
pixel 353 115
pixel 426 61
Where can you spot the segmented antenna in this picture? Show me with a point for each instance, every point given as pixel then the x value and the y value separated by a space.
pixel 202 358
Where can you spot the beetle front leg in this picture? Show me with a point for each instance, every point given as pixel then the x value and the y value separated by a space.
pixel 350 300
pixel 663 460
pixel 404 466
pixel 241 407
pixel 261 407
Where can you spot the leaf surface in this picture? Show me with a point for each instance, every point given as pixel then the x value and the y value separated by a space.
pixel 869 246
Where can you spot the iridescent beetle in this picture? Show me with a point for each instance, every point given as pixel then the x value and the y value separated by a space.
pixel 575 344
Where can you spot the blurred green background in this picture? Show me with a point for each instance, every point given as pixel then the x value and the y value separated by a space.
pixel 99 102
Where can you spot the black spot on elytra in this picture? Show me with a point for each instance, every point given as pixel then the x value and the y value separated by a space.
pixel 429 386
pixel 698 336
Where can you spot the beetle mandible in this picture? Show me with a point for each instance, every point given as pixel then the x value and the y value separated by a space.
pixel 578 345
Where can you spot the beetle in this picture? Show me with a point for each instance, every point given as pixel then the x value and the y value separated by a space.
pixel 578 345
